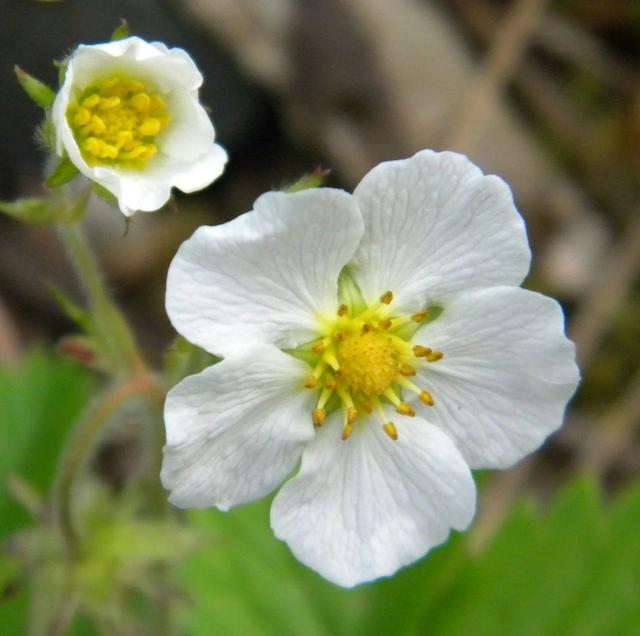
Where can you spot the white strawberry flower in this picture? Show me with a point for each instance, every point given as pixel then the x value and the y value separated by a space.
pixel 376 348
pixel 128 117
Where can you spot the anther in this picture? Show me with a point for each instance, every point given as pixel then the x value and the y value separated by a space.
pixel 434 356
pixel 426 398
pixel 330 384
pixel 149 127
pixel 421 352
pixel 386 298
pixel 366 328
pixel 419 316
pixel 346 432
pixel 407 371
pixel 390 429
pixel 404 409
pixel 319 417
pixel 343 310
pixel 319 348
pixel 311 382
pixel 367 407
pixel 352 415
pixel 141 102
pixel 385 324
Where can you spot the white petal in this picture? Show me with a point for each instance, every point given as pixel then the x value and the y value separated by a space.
pixel 361 509
pixel 434 225
pixel 506 376
pixel 236 430
pixel 265 275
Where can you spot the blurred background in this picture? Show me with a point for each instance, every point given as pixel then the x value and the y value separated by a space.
pixel 544 94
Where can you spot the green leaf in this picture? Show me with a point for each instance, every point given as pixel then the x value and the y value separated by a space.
pixel 572 570
pixel 39 92
pixel 39 402
pixel 64 172
pixel 121 31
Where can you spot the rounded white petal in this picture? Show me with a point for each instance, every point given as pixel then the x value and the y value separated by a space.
pixel 264 276
pixel 361 509
pixel 434 226
pixel 506 376
pixel 236 430
pixel 187 157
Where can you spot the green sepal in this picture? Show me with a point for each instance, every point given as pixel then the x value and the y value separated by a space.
pixel 64 172
pixel 84 350
pixel 38 91
pixel 32 211
pixel 61 65
pixel 184 358
pixel 103 193
pixel 408 331
pixel 349 293
pixel 121 31
pixel 311 180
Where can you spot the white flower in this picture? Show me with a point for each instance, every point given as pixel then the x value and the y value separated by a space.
pixel 129 118
pixel 380 342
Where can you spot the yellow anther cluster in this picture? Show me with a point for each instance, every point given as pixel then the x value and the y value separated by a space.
pixel 364 361
pixel 116 121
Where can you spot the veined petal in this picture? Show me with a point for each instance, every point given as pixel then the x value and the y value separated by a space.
pixel 363 508
pixel 506 376
pixel 236 430
pixel 435 226
pixel 264 276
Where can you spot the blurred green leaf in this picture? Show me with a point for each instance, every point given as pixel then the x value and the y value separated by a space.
pixel 573 570
pixel 32 211
pixel 39 402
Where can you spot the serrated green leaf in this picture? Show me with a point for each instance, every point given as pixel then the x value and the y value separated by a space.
pixel 121 31
pixel 64 172
pixel 38 91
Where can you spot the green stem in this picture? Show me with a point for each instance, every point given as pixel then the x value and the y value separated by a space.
pixel 86 438
pixel 112 328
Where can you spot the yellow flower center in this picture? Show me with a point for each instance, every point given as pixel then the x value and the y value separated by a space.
pixel 368 361
pixel 363 361
pixel 116 122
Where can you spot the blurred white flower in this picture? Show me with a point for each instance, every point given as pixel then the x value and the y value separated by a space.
pixel 128 117
pixel 381 340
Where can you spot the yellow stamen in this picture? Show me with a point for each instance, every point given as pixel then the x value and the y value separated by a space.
pixel 352 415
pixel 343 310
pixel 319 417
pixel 115 113
pixel 385 324
pixel 346 432
pixel 404 409
pixel 390 429
pixel 421 352
pixel 407 371
pixel 434 356
pixel 386 298
pixel 426 398
pixel 311 382
pixel 420 316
